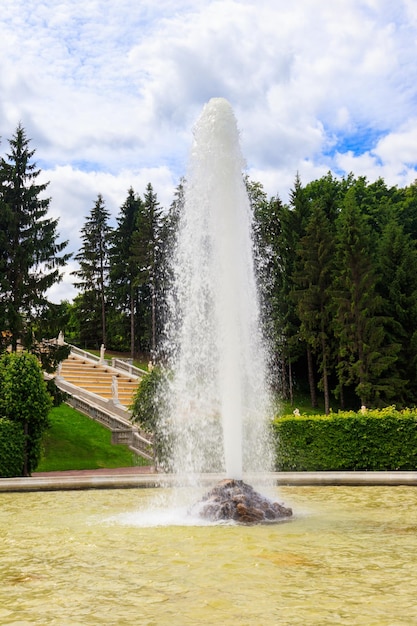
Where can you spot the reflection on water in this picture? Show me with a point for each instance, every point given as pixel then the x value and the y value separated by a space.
pixel 85 558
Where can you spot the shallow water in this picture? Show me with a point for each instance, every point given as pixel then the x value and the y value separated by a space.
pixel 96 558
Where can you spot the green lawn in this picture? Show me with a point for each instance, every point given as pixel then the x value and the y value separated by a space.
pixel 76 442
pixel 303 404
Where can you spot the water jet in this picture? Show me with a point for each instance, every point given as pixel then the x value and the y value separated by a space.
pixel 219 402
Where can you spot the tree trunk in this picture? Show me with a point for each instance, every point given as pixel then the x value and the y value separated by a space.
pixel 282 384
pixel 290 383
pixel 103 319
pixel 153 304
pixel 313 394
pixel 325 377
pixel 326 390
pixel 132 324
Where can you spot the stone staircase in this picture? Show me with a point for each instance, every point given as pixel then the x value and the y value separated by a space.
pixel 104 392
pixel 100 379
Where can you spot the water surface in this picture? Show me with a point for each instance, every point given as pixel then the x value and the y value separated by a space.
pixel 97 558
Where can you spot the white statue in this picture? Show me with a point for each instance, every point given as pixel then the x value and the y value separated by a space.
pixel 115 390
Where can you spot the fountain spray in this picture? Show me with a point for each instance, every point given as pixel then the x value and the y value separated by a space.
pixel 219 399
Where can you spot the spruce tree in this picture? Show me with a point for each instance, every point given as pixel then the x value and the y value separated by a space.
pixel 93 274
pixel 312 293
pixel 168 240
pixel 145 253
pixel 366 356
pixel 270 261
pixel 124 270
pixel 30 254
pixel 397 266
pixel 294 223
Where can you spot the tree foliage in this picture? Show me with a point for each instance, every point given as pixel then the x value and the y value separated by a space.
pixel 124 274
pixel 12 448
pixel 344 288
pixel 148 406
pixel 337 267
pixel 31 257
pixel 93 273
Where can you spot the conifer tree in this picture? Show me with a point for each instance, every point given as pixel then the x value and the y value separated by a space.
pixel 93 274
pixel 397 266
pixel 294 224
pixel 145 253
pixel 312 293
pixel 124 269
pixel 167 246
pixel 366 356
pixel 270 262
pixel 30 255
pixel 408 210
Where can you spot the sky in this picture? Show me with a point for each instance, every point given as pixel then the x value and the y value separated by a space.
pixel 109 92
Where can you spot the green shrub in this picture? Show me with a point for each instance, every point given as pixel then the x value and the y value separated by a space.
pixel 57 395
pixel 24 399
pixel 149 400
pixel 148 408
pixel 12 449
pixel 375 440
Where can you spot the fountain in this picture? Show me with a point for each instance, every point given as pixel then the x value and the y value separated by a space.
pixel 92 557
pixel 219 403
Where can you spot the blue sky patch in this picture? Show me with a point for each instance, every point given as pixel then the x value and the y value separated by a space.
pixel 358 142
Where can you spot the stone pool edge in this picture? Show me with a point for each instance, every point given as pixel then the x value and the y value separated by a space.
pixel 114 480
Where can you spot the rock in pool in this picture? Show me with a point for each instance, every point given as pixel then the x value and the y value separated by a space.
pixel 235 500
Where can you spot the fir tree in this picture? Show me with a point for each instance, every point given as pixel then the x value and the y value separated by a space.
pixel 124 269
pixel 313 280
pixel 397 265
pixel 366 357
pixel 30 255
pixel 93 259
pixel 145 253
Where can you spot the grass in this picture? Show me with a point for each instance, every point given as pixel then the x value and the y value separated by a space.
pixel 303 404
pixel 76 442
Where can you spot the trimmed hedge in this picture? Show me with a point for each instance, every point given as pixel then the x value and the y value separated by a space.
pixel 378 440
pixel 12 448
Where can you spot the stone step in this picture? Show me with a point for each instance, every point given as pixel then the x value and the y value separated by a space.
pixel 98 379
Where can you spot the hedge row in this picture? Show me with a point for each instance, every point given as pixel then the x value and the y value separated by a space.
pixel 11 448
pixel 383 440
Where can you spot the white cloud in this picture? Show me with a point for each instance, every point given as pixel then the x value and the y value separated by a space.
pixel 109 91
pixel 394 157
pixel 73 193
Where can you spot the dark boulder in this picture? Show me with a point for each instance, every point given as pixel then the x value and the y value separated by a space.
pixel 235 500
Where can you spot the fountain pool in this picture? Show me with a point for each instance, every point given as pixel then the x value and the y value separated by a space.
pixel 100 557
